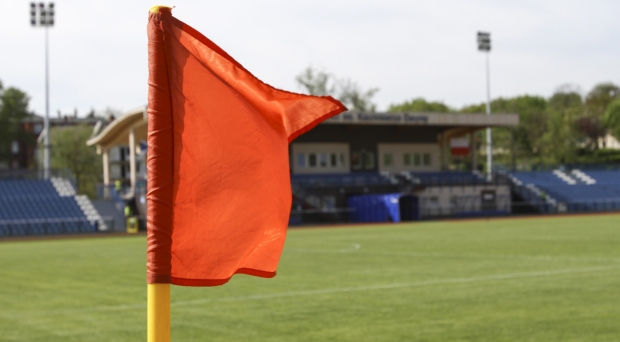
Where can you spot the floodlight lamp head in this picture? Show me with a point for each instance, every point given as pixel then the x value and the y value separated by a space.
pixel 41 14
pixel 50 19
pixel 42 17
pixel 484 41
pixel 33 14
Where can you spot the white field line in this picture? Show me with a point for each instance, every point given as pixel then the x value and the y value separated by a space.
pixel 377 287
pixel 455 255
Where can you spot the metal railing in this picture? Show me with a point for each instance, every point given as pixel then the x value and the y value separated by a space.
pixel 109 192
pixel 341 180
pixel 452 179
pixel 465 206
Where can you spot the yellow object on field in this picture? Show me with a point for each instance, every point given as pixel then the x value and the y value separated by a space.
pixel 132 225
pixel 158 313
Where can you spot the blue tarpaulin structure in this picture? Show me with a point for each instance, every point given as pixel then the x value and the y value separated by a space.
pixel 383 208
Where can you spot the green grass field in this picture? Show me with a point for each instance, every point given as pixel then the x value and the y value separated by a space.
pixel 547 279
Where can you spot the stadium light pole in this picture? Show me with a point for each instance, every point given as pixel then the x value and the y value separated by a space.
pixel 484 45
pixel 45 16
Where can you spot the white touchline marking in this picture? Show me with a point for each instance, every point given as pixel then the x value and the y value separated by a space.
pixel 456 255
pixel 356 246
pixel 323 291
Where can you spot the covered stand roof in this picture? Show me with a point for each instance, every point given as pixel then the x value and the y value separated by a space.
pixel 426 119
pixel 450 124
pixel 117 133
pixel 453 124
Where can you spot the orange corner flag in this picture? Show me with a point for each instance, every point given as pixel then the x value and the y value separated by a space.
pixel 219 193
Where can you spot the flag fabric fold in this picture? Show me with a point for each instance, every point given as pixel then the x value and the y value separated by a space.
pixel 219 194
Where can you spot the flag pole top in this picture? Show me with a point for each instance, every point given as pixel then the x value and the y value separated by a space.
pixel 160 9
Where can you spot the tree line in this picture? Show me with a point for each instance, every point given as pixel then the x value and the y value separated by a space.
pixel 69 150
pixel 564 128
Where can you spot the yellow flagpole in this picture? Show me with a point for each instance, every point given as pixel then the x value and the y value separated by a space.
pixel 158 313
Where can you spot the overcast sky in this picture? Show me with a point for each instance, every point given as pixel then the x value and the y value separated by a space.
pixel 405 48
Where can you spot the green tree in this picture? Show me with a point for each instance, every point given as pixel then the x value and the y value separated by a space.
pixel 597 100
pixel 611 119
pixel 420 105
pixel 70 152
pixel 13 109
pixel 321 83
pixel 533 117
pixel 316 82
pixel 560 140
pixel 355 98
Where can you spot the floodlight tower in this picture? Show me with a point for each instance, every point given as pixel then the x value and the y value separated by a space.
pixel 45 16
pixel 484 45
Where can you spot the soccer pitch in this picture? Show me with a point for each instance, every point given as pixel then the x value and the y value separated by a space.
pixel 531 279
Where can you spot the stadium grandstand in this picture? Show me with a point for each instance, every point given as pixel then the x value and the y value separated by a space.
pixel 576 190
pixel 355 167
pixel 352 154
pixel 30 205
pixel 382 167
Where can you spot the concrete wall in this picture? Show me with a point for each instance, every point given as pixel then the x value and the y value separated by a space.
pixel 447 200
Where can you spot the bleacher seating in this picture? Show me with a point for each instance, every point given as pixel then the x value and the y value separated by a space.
pixel 445 178
pixel 604 177
pixel 384 178
pixel 539 178
pixel 341 179
pixel 34 207
pixel 26 187
pixel 601 193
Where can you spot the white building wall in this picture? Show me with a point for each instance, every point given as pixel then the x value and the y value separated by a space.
pixel 609 142
pixel 409 157
pixel 320 158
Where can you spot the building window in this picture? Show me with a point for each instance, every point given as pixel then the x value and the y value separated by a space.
pixel 329 203
pixel 323 159
pixel 433 202
pixel 312 160
pixel 356 160
pixel 427 159
pixel 333 159
pixel 407 159
pixel 369 160
pixel 38 128
pixel 342 163
pixel 301 159
pixel 387 159
pixel 15 147
pixel 454 201
pixel 416 159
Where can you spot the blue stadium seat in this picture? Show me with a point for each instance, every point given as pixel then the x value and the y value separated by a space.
pixel 603 195
pixel 340 180
pixel 34 207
